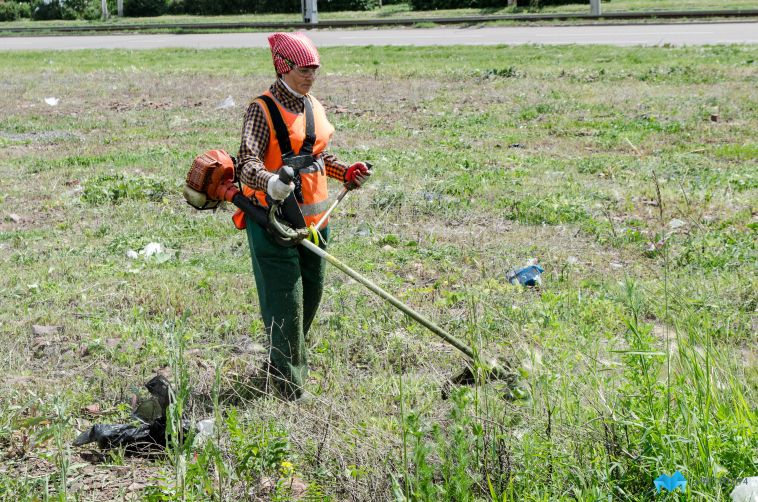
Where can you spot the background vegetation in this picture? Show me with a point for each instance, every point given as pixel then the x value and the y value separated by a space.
pixel 629 173
pixel 289 10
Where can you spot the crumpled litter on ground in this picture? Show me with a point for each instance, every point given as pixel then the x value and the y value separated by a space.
pixel 150 432
pixel 153 250
pixel 746 490
pixel 226 103
pixel 528 276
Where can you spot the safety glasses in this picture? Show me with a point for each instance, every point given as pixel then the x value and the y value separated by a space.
pixel 300 70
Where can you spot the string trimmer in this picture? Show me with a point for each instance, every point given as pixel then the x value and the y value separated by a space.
pixel 210 181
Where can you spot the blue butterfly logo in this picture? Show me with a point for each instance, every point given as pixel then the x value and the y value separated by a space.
pixel 670 483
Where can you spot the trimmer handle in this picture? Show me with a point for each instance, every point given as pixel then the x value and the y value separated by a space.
pixel 352 186
pixel 286 175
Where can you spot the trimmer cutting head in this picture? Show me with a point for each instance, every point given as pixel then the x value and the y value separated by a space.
pixel 496 373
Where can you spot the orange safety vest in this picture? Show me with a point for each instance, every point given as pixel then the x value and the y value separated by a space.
pixel 315 192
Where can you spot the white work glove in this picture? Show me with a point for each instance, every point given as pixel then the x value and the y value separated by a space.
pixel 278 190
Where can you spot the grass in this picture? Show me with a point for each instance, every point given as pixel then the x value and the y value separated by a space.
pixel 638 352
pixel 400 11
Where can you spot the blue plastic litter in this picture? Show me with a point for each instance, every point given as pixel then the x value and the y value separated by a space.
pixel 527 276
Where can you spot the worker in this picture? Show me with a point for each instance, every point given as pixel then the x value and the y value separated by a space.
pixel 289 279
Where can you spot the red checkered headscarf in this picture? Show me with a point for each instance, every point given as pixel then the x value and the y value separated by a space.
pixel 292 49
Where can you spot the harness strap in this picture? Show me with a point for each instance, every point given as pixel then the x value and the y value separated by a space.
pixel 310 128
pixel 303 161
pixel 282 133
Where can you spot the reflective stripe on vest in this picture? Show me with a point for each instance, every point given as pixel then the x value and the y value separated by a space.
pixel 316 210
pixel 315 193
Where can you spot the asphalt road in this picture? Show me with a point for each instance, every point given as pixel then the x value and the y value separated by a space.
pixel 621 35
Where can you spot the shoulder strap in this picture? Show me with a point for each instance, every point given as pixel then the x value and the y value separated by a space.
pixel 282 134
pixel 310 128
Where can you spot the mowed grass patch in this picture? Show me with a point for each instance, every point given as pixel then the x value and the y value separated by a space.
pixel 629 173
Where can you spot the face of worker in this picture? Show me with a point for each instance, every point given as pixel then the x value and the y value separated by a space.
pixel 300 79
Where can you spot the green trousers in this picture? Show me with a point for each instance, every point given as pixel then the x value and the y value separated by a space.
pixel 290 282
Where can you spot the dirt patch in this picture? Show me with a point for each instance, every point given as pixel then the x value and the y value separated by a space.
pixel 146 104
pixel 40 137
pixel 87 480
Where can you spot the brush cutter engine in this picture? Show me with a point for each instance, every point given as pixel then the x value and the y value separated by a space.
pixel 211 175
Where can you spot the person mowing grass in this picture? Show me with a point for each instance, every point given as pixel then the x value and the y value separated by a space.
pixel 286 125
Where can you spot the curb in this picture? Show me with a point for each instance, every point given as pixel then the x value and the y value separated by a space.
pixel 389 22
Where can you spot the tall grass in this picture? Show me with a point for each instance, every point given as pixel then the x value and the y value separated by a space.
pixel 679 410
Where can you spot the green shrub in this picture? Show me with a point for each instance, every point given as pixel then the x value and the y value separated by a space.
pixel 210 7
pixel 216 7
pixel 10 11
pixel 81 9
pixel 69 9
pixel 462 4
pixel 43 12
pixel 145 8
pixel 341 5
pixel 175 7
pixel 277 6
pixel 538 4
pixel 455 4
pixel 25 8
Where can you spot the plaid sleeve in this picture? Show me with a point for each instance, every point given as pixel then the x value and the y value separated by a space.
pixel 334 168
pixel 255 136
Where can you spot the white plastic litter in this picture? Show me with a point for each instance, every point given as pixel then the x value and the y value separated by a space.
pixel 151 249
pixel 52 101
pixel 132 254
pixel 156 254
pixel 226 103
pixel 205 427
pixel 676 223
pixel 204 432
pixel 746 490
pixel 177 121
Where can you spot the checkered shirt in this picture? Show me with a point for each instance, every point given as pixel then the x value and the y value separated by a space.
pixel 255 140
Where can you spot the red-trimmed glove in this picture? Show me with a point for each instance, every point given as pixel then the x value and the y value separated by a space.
pixel 357 173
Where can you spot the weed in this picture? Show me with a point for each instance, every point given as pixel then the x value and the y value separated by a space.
pixel 260 449
pixel 507 72
pixel 113 189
